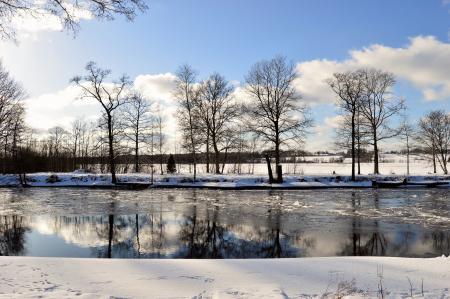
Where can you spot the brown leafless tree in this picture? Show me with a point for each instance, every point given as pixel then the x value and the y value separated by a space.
pixel 67 11
pixel 407 132
pixel 77 139
pixel 218 112
pixel 11 95
pixel 186 94
pixel 159 123
pixel 378 106
pixel 349 90
pixel 434 133
pixel 110 96
pixel 275 111
pixel 344 136
pixel 137 121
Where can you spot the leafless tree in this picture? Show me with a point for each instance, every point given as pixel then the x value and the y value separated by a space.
pixel 11 114
pixel 159 123
pixel 110 96
pixel 349 90
pixel 378 106
pixel 275 111
pixel 11 95
pixel 138 121
pixel 344 136
pixel 218 112
pixel 67 11
pixel 78 138
pixel 56 140
pixel 186 94
pixel 434 133
pixel 407 132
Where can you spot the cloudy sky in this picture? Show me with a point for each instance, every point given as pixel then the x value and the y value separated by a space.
pixel 408 38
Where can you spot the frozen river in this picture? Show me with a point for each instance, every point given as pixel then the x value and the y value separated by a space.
pixel 193 223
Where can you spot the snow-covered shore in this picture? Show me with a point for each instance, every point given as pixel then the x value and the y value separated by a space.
pixel 76 179
pixel 337 277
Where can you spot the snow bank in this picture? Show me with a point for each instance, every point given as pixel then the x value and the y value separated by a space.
pixel 74 179
pixel 341 277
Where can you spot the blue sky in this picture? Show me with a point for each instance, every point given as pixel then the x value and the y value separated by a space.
pixel 228 37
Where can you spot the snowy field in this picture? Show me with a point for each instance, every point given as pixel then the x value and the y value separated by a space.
pixel 352 277
pixel 77 179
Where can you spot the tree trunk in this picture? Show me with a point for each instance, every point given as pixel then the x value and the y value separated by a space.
pixel 112 162
pixel 407 155
pixel 353 146
pixel 136 153
pixel 269 169
pixel 224 160
pixel 375 156
pixel 207 153
pixel 434 159
pixel 216 161
pixel 216 156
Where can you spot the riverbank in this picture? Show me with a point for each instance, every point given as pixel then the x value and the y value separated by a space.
pixel 232 182
pixel 350 277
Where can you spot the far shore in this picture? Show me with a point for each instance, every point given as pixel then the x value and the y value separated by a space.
pixel 139 181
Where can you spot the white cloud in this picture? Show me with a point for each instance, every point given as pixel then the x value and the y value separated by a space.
pixel 159 90
pixel 64 106
pixel 42 20
pixel 59 109
pixel 423 62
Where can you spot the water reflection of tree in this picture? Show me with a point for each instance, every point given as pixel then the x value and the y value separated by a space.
pixel 12 235
pixel 373 243
pixel 203 235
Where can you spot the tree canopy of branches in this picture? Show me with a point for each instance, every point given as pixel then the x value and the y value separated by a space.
pixel 11 95
pixel 275 111
pixel 187 94
pixel 12 112
pixel 349 90
pixel 434 134
pixel 137 121
pixel 67 11
pixel 378 106
pixel 218 111
pixel 110 96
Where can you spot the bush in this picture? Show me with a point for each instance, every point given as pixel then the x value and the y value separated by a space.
pixel 53 178
pixel 171 166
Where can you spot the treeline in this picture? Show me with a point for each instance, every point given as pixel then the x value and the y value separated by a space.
pixel 367 106
pixel 265 120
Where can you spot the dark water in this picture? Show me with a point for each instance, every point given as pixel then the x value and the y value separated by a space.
pixel 224 224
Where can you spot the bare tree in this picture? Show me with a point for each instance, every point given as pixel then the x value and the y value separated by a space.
pixel 275 111
pixel 378 106
pixel 11 94
pixel 218 111
pixel 67 11
pixel 11 115
pixel 77 132
pixel 57 136
pixel 407 132
pixel 138 121
pixel 110 96
pixel 186 94
pixel 344 136
pixel 349 90
pixel 159 122
pixel 434 133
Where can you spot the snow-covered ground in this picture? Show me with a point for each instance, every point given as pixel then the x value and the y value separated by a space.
pixel 208 180
pixel 343 277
